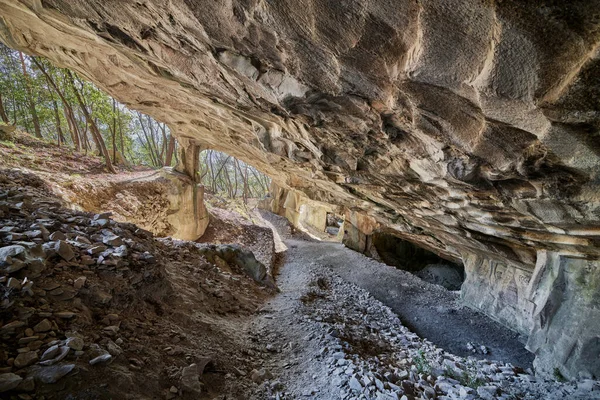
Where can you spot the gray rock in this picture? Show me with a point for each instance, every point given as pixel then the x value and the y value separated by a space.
pixel 75 343
pixel 13 284
pixel 26 385
pixel 52 374
pixel 82 239
pixel 50 353
pixel 104 215
pixel 16 265
pixel 79 282
pixel 26 359
pixel 64 250
pixel 260 375
pixel 43 326
pixel 103 359
pixel 355 384
pixel 190 379
pixel 57 355
pixel 58 235
pixel 8 252
pixel 487 392
pixel 12 326
pixel 96 249
pixel 113 348
pixel 110 239
pixel 9 381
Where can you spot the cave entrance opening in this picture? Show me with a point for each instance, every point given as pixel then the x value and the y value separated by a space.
pixel 423 263
pixel 334 224
pixel 226 177
pixel 319 223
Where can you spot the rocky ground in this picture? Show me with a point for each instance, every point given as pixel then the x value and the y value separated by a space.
pixel 326 338
pixel 91 308
pixel 135 194
pixel 247 230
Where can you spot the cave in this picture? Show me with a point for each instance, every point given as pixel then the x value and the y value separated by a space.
pixel 467 132
pixel 423 263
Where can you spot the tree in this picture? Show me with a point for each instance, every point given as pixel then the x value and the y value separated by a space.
pixel 30 99
pixel 92 125
pixel 3 112
pixel 56 104
pixel 226 175
pixel 68 110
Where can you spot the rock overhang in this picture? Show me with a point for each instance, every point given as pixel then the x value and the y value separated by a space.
pixel 471 129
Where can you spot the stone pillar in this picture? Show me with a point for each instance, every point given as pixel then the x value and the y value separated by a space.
pixel 358 229
pixel 188 153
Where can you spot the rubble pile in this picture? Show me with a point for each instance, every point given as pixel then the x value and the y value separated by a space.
pixel 89 305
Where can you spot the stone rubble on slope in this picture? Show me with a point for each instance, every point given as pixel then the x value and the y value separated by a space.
pixel 371 355
pixel 64 277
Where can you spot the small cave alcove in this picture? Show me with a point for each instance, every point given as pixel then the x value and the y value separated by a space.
pixel 333 224
pixel 423 263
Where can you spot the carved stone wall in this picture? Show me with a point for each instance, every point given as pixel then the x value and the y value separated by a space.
pixel 470 128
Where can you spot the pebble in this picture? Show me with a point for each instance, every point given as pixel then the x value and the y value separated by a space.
pixel 79 282
pixel 25 359
pixel 52 374
pixel 9 381
pixel 75 343
pixel 103 359
pixel 43 326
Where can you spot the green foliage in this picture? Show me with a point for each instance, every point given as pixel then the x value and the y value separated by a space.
pixel 467 378
pixel 559 376
pixel 129 137
pixel 7 143
pixel 50 91
pixel 227 176
pixel 422 364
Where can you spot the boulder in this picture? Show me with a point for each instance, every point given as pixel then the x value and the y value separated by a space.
pixel 9 381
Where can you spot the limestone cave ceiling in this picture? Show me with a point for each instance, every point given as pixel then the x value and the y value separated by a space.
pixel 466 126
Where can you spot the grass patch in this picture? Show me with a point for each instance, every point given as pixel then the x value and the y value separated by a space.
pixel 422 364
pixel 8 143
pixel 467 378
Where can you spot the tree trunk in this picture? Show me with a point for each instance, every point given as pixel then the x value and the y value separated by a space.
pixel 93 127
pixel 3 112
pixel 34 116
pixel 121 135
pixel 154 146
pixel 70 116
pixel 170 150
pixel 114 131
pixel 59 132
pixel 163 145
pixel 151 151
pixel 73 129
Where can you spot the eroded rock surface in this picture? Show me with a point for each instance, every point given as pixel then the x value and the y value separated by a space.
pixel 469 128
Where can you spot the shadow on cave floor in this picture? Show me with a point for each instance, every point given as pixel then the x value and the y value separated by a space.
pixel 429 310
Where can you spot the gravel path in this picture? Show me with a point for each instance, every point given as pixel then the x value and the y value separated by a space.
pixel 429 310
pixel 325 337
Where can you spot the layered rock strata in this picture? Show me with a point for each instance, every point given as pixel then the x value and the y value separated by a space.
pixel 469 128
